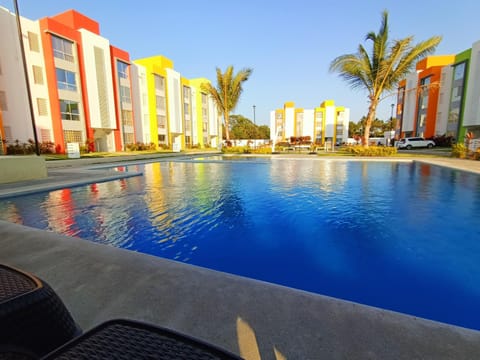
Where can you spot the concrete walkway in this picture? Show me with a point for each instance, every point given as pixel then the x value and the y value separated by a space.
pixel 254 319
pixel 77 172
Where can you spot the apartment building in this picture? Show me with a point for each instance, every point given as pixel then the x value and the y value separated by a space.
pixel 205 114
pixel 14 104
pixel 441 97
pixel 87 91
pixel 324 123
pixel 470 112
pixel 180 115
pixel 123 90
pixel 419 96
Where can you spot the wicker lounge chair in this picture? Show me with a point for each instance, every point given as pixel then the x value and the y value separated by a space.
pixel 33 319
pixel 127 339
pixel 34 324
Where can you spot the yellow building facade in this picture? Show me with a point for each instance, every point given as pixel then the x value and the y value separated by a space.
pixel 180 115
pixel 321 124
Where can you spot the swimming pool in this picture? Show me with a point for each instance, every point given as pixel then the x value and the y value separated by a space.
pixel 399 236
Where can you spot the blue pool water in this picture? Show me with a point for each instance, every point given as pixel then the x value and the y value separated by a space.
pixel 399 236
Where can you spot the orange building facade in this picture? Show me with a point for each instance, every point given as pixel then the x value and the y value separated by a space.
pixel 418 95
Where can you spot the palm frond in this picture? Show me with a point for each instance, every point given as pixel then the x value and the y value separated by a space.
pixel 228 90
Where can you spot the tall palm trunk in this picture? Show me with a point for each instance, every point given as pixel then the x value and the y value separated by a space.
pixel 226 119
pixel 372 109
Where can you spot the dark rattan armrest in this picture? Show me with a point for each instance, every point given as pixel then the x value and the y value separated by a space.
pixel 33 319
pixel 127 339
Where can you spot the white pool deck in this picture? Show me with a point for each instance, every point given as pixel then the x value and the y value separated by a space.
pixel 254 319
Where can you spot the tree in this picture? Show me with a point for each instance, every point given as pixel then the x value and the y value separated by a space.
pixel 243 128
pixel 227 93
pixel 381 70
pixel 263 132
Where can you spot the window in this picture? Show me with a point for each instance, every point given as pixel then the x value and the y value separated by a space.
pixel 122 69
pixel 159 83
pixel 66 80
pixel 33 42
pixel 42 107
pixel 37 75
pixel 423 99
pixel 72 136
pixel 69 110
pixel 161 121
pixel 62 49
pixel 127 117
pixel 3 101
pixel 186 94
pixel 456 98
pixel 125 94
pixel 128 138
pixel 160 100
pixel 161 139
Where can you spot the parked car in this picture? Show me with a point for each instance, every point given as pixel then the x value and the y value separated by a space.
pixel 414 142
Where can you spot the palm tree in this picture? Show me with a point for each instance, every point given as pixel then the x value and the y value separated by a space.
pixel 381 70
pixel 228 91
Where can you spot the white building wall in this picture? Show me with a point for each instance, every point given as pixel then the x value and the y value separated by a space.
pixel 329 121
pixel 308 123
pixel 410 102
pixel 471 116
pixel 140 103
pixel 214 123
pixel 444 100
pixel 13 89
pixel 174 101
pixel 194 116
pixel 343 118
pixel 273 129
pixel 289 122
pixel 99 81
pixel 214 119
pixel 39 89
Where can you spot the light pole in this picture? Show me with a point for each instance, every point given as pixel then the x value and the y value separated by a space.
pixel 22 50
pixel 254 115
pixel 392 141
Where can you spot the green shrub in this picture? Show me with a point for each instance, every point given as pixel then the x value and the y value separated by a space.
pixel 370 151
pixel 476 154
pixel 262 150
pixel 459 151
pixel 236 149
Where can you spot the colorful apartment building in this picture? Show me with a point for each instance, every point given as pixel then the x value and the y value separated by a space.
pixel 14 105
pixel 86 91
pixel 418 97
pixel 176 110
pixel 324 123
pixel 441 97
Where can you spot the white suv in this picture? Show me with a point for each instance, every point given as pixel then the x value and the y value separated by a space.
pixel 414 142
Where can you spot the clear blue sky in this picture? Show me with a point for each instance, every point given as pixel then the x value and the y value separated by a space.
pixel 289 44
